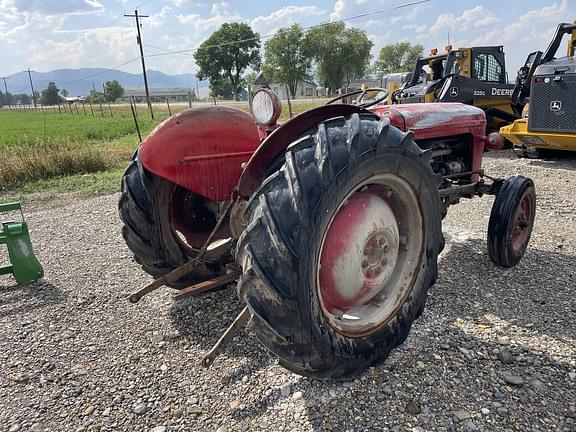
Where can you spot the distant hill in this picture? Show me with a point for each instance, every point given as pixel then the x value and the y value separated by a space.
pixel 79 82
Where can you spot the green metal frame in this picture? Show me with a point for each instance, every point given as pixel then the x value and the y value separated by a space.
pixel 23 263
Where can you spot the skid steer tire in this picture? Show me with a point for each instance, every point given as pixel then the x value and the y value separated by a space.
pixel 144 209
pixel 287 219
pixel 511 221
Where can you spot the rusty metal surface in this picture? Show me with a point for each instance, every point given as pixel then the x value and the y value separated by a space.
pixel 360 251
pixel 240 321
pixel 208 285
pixel 202 149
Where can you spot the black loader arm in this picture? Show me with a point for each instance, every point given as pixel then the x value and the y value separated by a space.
pixel 521 92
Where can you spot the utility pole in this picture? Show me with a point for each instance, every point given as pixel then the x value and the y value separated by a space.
pixel 6 88
pixel 139 40
pixel 32 87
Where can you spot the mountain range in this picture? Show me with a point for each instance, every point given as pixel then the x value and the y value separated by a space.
pixel 79 82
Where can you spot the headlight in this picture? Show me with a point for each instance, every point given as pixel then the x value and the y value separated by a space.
pixel 266 107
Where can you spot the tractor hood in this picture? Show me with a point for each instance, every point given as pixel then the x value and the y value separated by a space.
pixel 428 121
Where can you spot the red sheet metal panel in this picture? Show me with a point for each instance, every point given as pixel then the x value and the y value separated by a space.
pixel 202 149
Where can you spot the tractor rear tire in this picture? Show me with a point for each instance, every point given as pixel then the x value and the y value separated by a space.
pixel 144 208
pixel 511 221
pixel 288 219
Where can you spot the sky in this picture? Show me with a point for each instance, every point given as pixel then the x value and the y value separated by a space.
pixel 52 34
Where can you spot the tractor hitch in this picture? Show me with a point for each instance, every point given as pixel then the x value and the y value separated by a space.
pixel 209 285
pixel 239 323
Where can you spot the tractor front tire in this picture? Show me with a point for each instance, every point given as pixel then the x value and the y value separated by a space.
pixel 149 231
pixel 511 221
pixel 354 180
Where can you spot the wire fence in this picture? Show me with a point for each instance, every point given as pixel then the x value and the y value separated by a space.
pixel 62 116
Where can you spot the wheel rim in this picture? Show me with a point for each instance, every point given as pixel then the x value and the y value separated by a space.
pixel 523 221
pixel 370 255
pixel 192 220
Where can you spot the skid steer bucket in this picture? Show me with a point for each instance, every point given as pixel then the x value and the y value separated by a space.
pixel 23 263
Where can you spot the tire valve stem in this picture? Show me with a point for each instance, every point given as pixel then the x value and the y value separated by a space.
pixel 218 348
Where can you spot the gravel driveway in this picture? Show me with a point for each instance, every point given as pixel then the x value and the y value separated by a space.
pixel 494 351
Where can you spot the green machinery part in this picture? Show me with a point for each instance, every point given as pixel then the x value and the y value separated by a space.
pixel 23 263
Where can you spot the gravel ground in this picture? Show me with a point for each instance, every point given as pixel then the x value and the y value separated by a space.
pixel 494 351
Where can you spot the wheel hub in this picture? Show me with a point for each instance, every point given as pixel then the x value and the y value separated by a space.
pixel 521 226
pixel 360 252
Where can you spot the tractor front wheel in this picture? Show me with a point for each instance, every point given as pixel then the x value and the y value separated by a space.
pixel 341 247
pixel 165 225
pixel 511 221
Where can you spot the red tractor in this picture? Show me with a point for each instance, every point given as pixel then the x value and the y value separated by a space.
pixel 331 222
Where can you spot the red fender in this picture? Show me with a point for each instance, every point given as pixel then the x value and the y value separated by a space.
pixel 281 138
pixel 202 149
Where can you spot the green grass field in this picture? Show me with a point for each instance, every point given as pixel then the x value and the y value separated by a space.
pixel 48 150
pixel 43 149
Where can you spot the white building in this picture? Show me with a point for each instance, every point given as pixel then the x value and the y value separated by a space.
pixel 304 89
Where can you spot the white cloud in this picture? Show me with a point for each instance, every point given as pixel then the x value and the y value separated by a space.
pixel 477 17
pixel 535 26
pixel 67 7
pixel 283 17
pixel 219 14
pixel 520 35
pixel 161 18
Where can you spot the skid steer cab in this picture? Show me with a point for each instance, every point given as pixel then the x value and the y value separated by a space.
pixel 331 222
pixel 475 76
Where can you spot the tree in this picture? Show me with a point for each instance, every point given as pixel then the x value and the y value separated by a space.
pixel 113 90
pixel 6 98
pixel 288 57
pixel 358 56
pixel 22 98
pixel 96 97
pixel 249 78
pixel 221 88
pixel 341 53
pixel 226 53
pixel 399 57
pixel 50 96
pixel 64 93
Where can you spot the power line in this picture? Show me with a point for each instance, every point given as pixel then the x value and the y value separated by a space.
pixel 141 3
pixel 184 55
pixel 155 10
pixel 190 50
